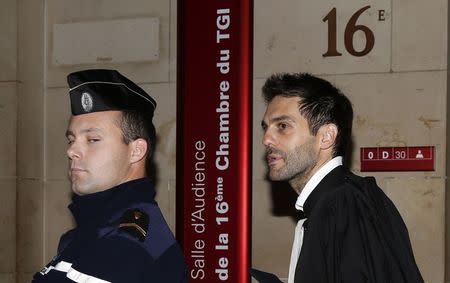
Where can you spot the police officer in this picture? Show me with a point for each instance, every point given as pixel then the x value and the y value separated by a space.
pixel 121 235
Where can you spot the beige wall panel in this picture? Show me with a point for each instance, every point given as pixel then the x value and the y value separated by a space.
pixel 30 89
pixel 7 278
pixel 290 36
pixel 113 41
pixel 8 126
pixel 421 202
pixel 173 41
pixel 271 236
pixel 419 35
pixel 58 218
pixel 67 11
pixel 30 131
pixel 8 44
pixel 57 119
pixel 24 277
pixel 406 109
pixel 447 236
pixel 31 43
pixel 165 125
pixel 30 225
pixel 8 224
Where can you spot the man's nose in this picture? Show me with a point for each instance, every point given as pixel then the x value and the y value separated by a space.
pixel 268 138
pixel 73 151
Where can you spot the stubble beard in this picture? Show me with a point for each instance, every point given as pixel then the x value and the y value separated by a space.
pixel 298 164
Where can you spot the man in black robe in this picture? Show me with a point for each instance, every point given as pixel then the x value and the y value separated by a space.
pixel 350 231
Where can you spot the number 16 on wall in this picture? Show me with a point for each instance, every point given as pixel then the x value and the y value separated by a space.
pixel 351 28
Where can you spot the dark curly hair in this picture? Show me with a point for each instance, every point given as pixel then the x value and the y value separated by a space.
pixel 321 103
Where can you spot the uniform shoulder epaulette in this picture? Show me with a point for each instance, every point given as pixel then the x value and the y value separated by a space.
pixel 135 222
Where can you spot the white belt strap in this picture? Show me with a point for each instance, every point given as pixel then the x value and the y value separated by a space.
pixel 74 274
pixel 63 266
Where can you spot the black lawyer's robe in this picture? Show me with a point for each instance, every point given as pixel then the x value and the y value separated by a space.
pixel 354 233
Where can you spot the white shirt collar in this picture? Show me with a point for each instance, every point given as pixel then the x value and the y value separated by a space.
pixel 315 180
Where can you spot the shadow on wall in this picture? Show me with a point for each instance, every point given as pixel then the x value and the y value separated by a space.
pixel 283 200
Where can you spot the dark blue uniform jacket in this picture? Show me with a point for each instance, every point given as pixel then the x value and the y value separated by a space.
pixel 121 236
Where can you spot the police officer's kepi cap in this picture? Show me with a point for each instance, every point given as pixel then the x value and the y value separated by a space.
pixel 98 90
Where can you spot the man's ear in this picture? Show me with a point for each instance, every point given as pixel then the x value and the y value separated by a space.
pixel 138 150
pixel 328 134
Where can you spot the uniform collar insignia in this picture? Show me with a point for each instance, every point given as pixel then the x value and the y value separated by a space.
pixel 135 222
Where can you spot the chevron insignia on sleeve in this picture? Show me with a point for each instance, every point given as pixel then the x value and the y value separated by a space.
pixel 135 222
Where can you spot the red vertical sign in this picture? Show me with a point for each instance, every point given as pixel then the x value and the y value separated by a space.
pixel 214 138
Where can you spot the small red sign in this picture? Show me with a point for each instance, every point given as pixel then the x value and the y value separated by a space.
pixel 417 158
